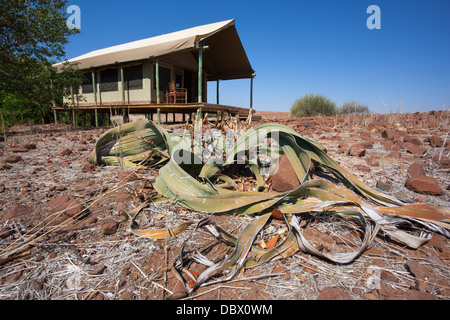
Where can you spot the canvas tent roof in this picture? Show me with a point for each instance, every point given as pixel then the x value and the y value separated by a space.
pixel 225 58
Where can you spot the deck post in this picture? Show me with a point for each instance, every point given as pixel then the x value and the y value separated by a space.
pixel 74 118
pixel 200 73
pixel 158 111
pixel 96 118
pixel 200 114
pixel 158 98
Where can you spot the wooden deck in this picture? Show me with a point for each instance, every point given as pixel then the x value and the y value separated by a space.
pixel 179 108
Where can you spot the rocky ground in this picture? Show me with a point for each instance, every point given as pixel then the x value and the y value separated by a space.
pixel 63 233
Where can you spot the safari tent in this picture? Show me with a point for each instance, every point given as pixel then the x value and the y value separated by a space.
pixel 163 74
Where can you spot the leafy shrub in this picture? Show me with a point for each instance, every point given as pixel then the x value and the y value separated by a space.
pixel 353 107
pixel 313 105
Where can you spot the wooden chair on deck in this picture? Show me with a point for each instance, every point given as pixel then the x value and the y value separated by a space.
pixel 176 95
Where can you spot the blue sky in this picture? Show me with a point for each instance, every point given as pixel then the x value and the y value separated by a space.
pixel 301 47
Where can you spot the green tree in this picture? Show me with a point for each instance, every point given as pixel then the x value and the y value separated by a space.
pixel 312 105
pixel 33 35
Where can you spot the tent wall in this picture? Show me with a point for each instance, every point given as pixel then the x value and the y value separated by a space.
pixel 132 95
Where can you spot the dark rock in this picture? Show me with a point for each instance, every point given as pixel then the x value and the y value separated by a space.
pixel 122 206
pixel 435 141
pixel 362 168
pixel 73 209
pixel 108 227
pixel 285 179
pixel 59 201
pixel 424 185
pixel 64 152
pixel 91 220
pixel 285 273
pixel 388 292
pixel 5 166
pixel 29 146
pixel 442 161
pixel 390 134
pixel 438 242
pixel 374 251
pixel 20 150
pixel 367 144
pixel 395 155
pixel 179 292
pixel 444 164
pixel 417 150
pixel 98 270
pixel 383 186
pixel 13 159
pixel 329 293
pixel 388 276
pixel 6 232
pixel 16 211
pixel 420 272
pixel 70 207
pixel 372 162
pixel 88 168
pixel 357 150
pixel 390 145
pixel 127 296
pixel 413 139
pixel 416 170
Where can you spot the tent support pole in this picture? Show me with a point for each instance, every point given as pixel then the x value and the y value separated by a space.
pixel 123 85
pixel 217 93
pixel 94 87
pixel 94 90
pixel 158 98
pixel 251 93
pixel 200 73
pixel 54 104
pixel 74 117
